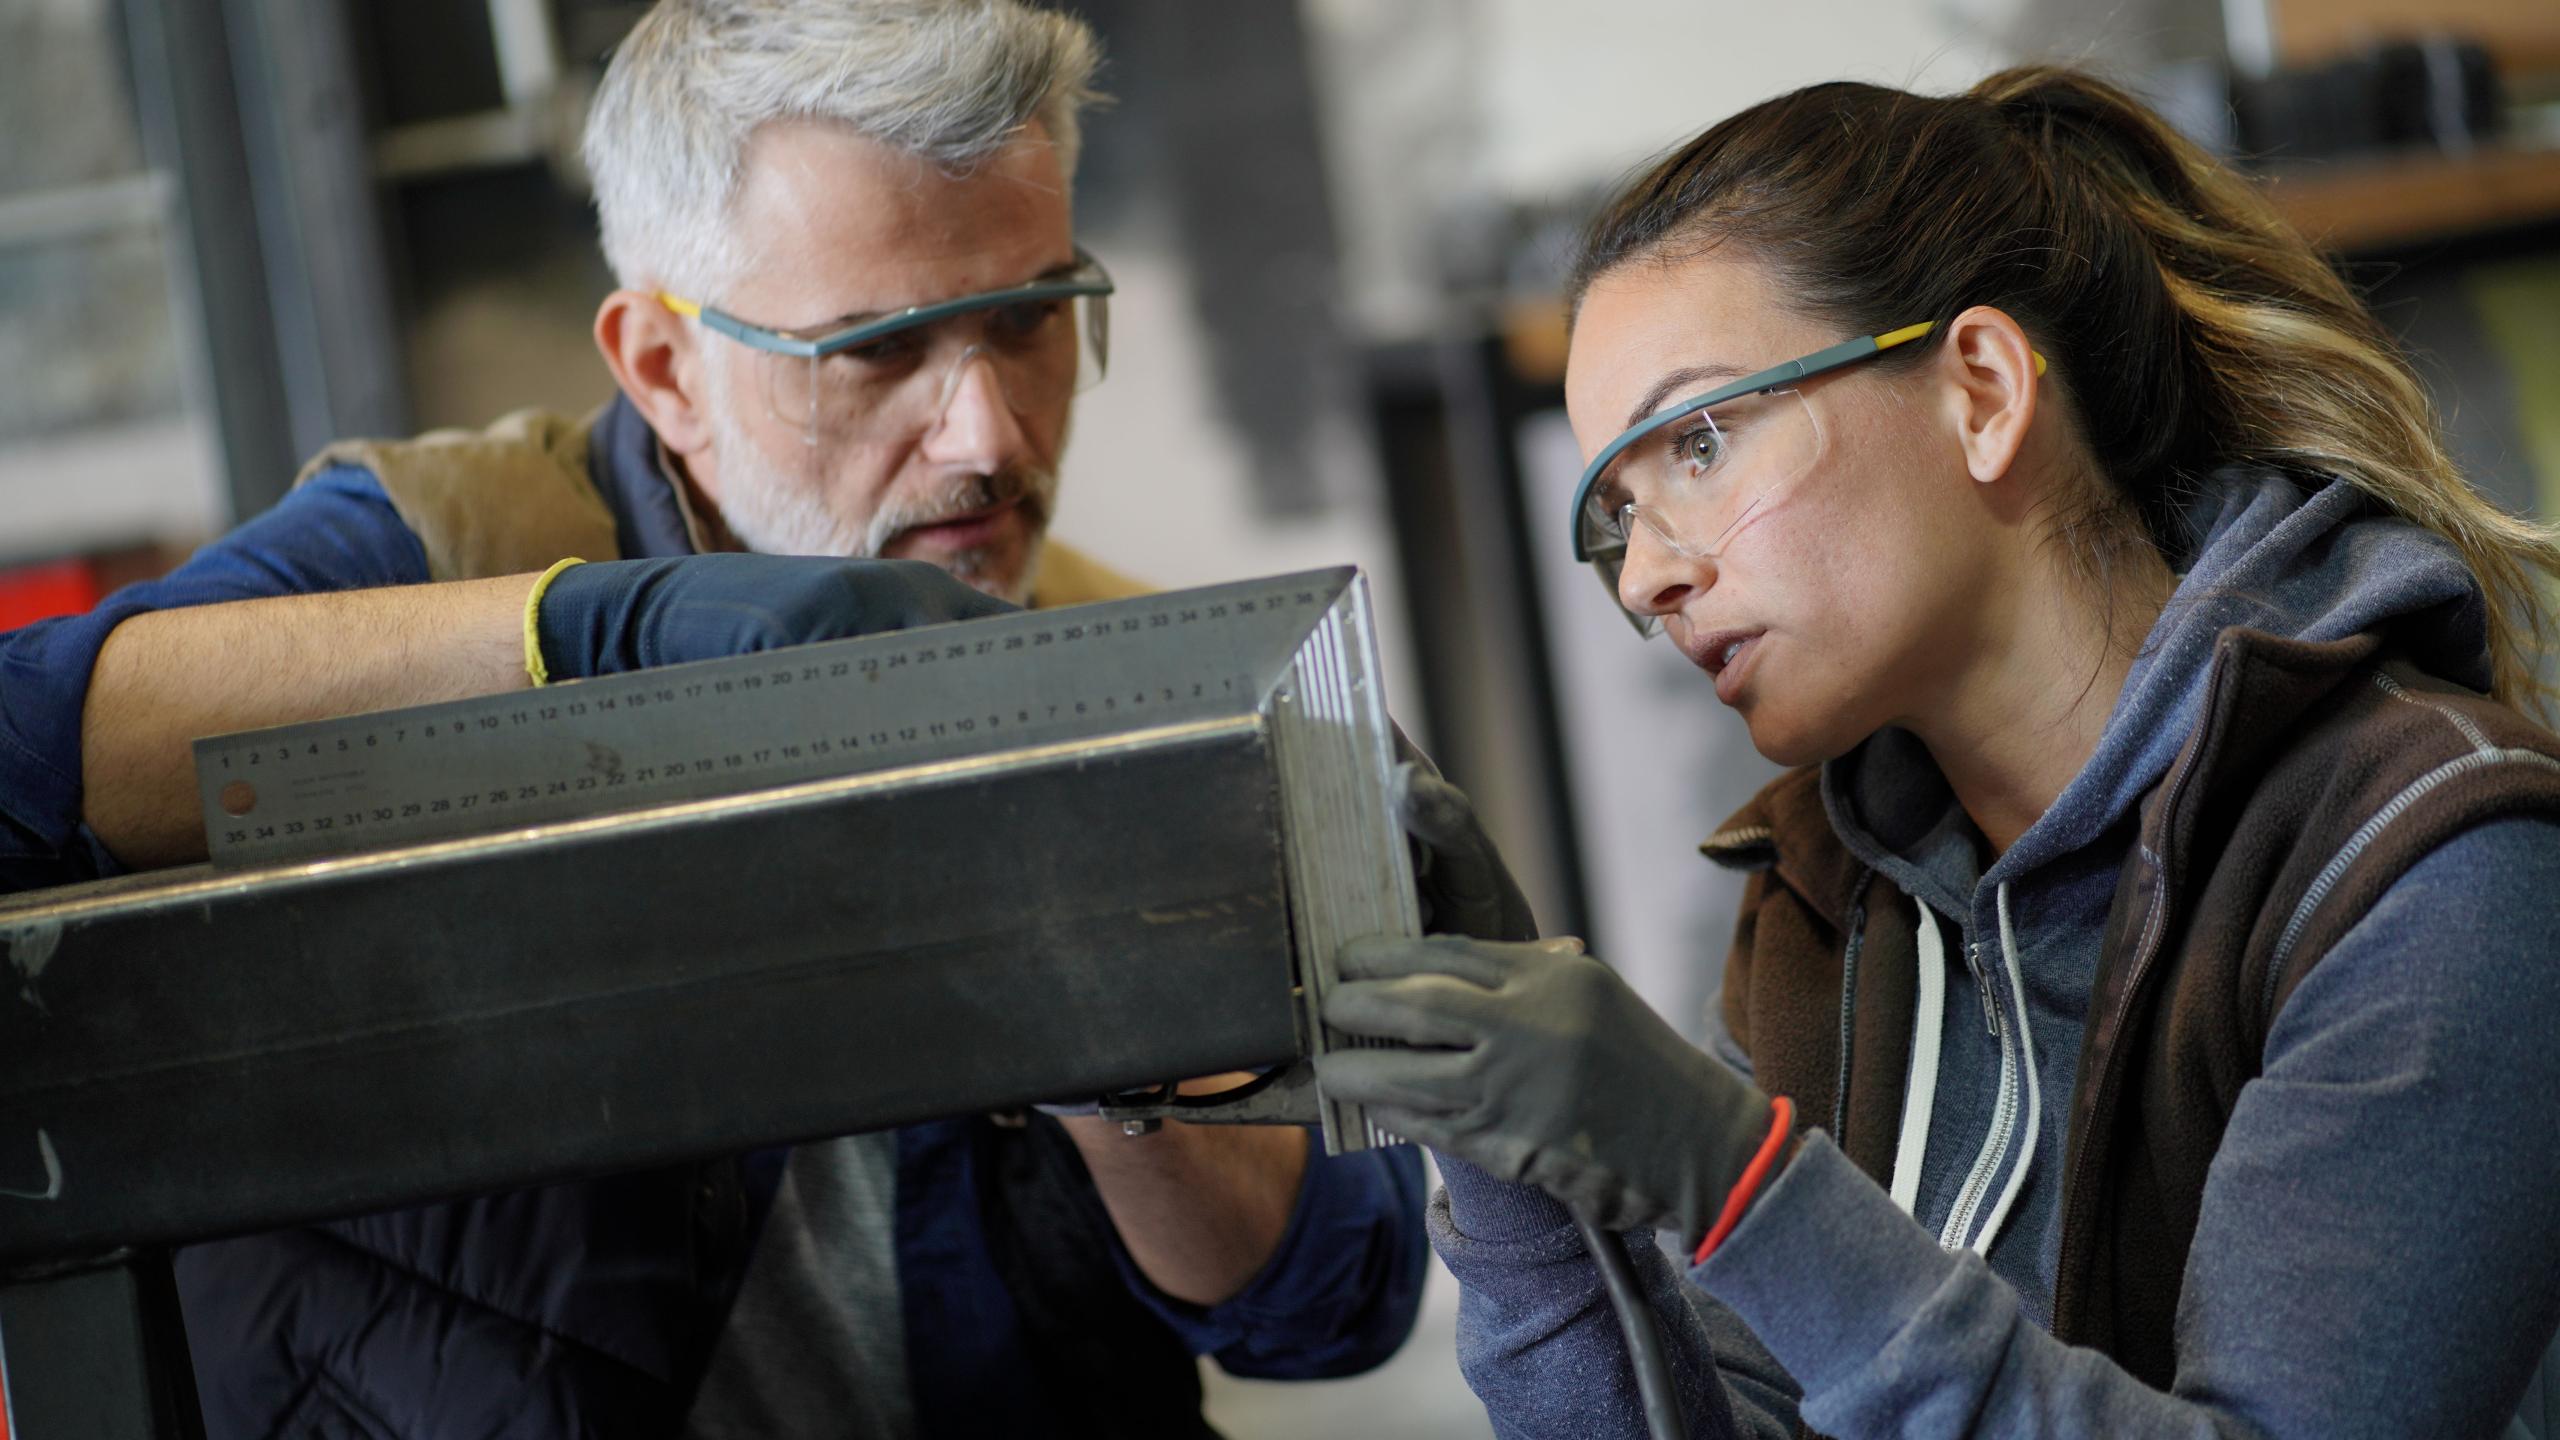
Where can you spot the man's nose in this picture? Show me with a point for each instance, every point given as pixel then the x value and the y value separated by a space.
pixel 977 426
pixel 1657 580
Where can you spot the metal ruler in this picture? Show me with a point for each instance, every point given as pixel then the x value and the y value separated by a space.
pixel 722 727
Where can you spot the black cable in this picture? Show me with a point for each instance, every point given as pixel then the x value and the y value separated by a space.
pixel 1635 1320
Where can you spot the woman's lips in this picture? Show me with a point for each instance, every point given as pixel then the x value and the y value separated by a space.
pixel 1727 656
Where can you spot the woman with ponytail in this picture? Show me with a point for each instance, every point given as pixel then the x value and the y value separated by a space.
pixel 2143 1018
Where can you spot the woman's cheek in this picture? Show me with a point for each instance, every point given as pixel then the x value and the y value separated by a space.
pixel 1818 703
pixel 1820 687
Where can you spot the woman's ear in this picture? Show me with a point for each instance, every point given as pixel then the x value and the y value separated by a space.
pixel 1989 370
pixel 654 358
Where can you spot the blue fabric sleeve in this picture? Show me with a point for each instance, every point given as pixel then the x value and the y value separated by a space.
pixel 1340 1291
pixel 1539 1342
pixel 336 532
pixel 2378 1232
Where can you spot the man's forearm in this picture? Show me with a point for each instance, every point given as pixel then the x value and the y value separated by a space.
pixel 1200 1207
pixel 168 678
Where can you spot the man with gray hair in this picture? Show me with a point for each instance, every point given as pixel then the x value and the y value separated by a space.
pixel 850 322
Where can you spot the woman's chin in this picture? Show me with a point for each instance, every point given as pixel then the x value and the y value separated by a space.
pixel 1795 739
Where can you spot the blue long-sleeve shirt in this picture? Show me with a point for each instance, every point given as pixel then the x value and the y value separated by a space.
pixel 1339 1294
pixel 338 532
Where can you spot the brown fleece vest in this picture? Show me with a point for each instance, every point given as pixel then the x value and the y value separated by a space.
pixel 2318 775
pixel 517 496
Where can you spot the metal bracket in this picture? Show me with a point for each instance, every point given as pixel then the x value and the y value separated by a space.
pixel 1285 1096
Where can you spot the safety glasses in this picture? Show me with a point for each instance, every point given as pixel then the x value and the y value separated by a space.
pixel 1691 474
pixel 1045 341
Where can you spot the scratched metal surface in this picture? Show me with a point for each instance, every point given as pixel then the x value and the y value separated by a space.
pixel 751 722
pixel 211 1052
pixel 1146 884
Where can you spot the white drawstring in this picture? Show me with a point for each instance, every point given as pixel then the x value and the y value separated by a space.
pixel 1920 1086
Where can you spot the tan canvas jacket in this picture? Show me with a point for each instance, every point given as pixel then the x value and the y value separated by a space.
pixel 518 496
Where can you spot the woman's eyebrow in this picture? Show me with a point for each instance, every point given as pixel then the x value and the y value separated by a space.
pixel 1680 379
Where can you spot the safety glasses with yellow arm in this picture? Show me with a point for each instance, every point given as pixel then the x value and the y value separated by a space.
pixel 1691 474
pixel 1044 340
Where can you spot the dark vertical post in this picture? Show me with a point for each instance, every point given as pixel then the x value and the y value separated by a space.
pixel 1487 404
pixel 303 130
pixel 98 1354
pixel 1445 414
pixel 191 130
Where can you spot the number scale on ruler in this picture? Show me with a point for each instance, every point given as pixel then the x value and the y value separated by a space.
pixel 721 727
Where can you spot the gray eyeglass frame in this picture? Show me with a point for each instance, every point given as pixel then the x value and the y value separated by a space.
pixel 1087 280
pixel 1820 362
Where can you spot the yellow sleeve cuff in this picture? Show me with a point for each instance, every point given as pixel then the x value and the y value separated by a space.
pixel 533 666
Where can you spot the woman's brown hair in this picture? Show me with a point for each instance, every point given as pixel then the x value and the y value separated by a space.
pixel 2189 324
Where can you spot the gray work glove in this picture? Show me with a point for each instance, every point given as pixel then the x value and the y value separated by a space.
pixel 1465 888
pixel 1535 1062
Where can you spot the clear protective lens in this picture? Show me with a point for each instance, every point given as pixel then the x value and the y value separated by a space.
pixel 1693 482
pixel 1041 353
pixel 1609 561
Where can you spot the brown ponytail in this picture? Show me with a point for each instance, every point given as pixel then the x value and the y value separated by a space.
pixel 2189 325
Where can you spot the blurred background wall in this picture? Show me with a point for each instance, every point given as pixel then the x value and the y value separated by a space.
pixel 231 230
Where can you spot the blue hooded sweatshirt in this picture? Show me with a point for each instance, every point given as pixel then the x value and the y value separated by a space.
pixel 2379 1247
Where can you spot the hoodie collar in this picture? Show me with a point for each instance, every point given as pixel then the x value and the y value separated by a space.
pixel 2316 565
pixel 652 517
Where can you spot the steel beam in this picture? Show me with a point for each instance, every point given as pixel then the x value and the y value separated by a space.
pixel 209 1052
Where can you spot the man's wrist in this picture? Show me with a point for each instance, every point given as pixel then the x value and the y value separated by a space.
pixel 1200 1208
pixel 537 668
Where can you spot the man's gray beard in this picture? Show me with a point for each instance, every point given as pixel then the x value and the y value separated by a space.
pixel 776 513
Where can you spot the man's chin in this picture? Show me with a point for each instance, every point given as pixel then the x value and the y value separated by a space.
pixel 999 564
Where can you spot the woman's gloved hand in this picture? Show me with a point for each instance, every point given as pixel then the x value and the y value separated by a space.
pixel 1536 1063
pixel 618 615
pixel 1465 888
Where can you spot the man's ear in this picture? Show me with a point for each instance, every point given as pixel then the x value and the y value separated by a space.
pixel 1989 369
pixel 655 358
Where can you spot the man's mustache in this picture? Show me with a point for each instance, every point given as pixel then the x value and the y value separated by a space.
pixel 1034 489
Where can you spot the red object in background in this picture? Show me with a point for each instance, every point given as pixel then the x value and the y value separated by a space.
pixel 40 592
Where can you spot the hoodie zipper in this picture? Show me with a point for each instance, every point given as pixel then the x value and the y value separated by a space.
pixel 1982 987
pixel 2004 1114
